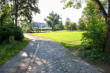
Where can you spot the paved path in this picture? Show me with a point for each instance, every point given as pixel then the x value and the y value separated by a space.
pixel 46 56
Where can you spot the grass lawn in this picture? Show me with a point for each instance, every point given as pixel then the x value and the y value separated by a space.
pixel 9 50
pixel 70 39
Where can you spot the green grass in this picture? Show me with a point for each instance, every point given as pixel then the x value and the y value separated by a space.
pixel 70 39
pixel 9 50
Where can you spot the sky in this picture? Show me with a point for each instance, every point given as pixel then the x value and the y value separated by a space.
pixel 47 6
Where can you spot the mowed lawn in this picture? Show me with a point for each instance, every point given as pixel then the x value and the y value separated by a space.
pixel 70 39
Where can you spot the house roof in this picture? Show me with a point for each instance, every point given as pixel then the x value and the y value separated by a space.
pixel 40 25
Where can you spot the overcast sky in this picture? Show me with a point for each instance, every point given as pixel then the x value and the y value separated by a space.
pixel 47 6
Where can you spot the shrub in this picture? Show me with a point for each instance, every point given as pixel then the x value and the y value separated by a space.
pixel 18 34
pixel 7 31
pixel 94 38
pixel 3 31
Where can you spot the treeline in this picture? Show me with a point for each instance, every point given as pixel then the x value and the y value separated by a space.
pixel 75 26
pixel 54 20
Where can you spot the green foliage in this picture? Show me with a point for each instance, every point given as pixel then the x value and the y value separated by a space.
pixel 69 3
pixel 53 20
pixel 72 3
pixel 69 25
pixel 73 26
pixel 21 9
pixel 59 26
pixel 17 33
pixel 28 27
pixel 95 54
pixel 5 15
pixel 82 24
pixel 93 39
pixel 7 50
pixel 8 31
pixel 7 27
pixel 24 8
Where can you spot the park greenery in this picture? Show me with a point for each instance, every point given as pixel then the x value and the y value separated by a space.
pixel 54 20
pixel 7 50
pixel 70 39
pixel 92 22
pixel 96 21
pixel 12 12
pixel 91 35
pixel 93 39
pixel 28 27
pixel 69 25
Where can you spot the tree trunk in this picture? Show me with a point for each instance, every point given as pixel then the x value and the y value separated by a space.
pixel 107 39
pixel 52 28
pixel 16 12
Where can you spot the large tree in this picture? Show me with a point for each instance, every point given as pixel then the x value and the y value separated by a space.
pixel 22 9
pixel 102 8
pixel 53 19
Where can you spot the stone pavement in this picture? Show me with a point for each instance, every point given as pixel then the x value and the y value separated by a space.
pixel 45 56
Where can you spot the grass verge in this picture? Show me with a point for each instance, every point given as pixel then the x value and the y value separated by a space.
pixel 9 50
pixel 70 39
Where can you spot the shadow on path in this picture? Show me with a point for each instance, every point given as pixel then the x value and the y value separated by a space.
pixel 45 56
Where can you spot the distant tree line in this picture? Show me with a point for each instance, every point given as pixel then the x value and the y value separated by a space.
pixel 75 26
pixel 54 20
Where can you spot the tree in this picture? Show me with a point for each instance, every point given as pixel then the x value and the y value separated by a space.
pixel 59 26
pixel 53 20
pixel 5 14
pixel 69 25
pixel 82 24
pixel 22 9
pixel 73 26
pixel 12 11
pixel 95 34
pixel 106 15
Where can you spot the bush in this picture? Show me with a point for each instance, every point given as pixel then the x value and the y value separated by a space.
pixel 95 54
pixel 7 31
pixel 18 34
pixel 93 40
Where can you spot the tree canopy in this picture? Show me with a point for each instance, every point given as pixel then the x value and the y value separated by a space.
pixel 53 20
pixel 102 5
pixel 21 9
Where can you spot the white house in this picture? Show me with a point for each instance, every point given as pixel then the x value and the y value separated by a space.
pixel 40 25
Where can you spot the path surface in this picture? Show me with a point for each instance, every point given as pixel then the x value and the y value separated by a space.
pixel 45 56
